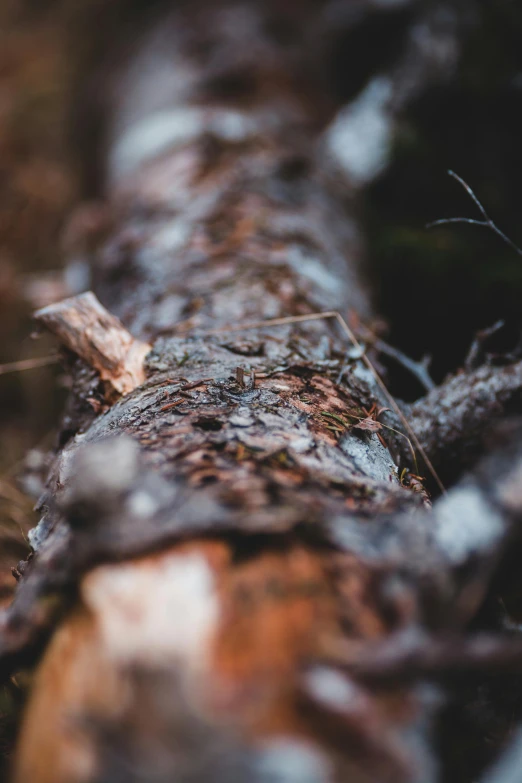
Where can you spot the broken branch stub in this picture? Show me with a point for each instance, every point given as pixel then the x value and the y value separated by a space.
pixel 85 327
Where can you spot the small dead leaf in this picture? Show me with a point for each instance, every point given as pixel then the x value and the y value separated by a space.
pixel 368 424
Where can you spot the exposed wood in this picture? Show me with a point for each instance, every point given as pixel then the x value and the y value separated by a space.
pixel 86 328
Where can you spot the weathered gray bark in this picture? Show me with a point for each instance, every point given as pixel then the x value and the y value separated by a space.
pixel 256 451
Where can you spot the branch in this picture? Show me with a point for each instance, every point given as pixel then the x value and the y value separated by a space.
pixel 407 656
pixel 85 327
pixel 418 369
pixel 451 420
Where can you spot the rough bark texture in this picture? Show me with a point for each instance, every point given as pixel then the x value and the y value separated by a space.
pixel 234 527
pixel 450 421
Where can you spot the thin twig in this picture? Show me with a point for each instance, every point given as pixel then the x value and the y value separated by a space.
pixel 289 319
pixel 293 319
pixel 486 223
pixel 471 361
pixel 27 364
pixel 417 369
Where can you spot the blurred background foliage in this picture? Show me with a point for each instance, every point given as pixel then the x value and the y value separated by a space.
pixel 36 192
pixel 437 287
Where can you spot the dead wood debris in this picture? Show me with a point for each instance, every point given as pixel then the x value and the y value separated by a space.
pixel 86 328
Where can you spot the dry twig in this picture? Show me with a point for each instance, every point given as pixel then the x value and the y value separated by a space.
pixel 486 223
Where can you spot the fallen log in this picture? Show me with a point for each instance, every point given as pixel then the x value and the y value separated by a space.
pixel 227 522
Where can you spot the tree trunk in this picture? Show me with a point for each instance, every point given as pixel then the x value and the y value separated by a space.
pixel 231 507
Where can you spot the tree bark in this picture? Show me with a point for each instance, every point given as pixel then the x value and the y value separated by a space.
pixel 228 511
